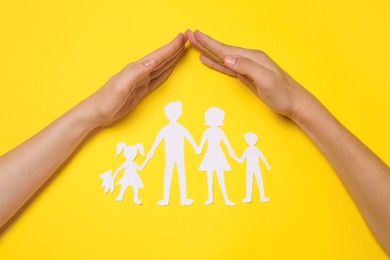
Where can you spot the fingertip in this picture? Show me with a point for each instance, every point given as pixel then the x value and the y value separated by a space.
pixel 180 36
pixel 188 31
pixel 179 39
pixel 197 33
pixel 185 36
pixel 189 35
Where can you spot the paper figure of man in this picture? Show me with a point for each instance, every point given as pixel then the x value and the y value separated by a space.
pixel 174 135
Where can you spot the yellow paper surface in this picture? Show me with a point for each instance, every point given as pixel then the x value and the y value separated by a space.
pixel 54 54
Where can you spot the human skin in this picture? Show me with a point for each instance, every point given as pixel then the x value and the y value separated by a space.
pixel 365 175
pixel 40 155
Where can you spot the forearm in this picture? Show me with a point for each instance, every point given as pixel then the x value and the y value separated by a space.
pixel 24 169
pixel 366 177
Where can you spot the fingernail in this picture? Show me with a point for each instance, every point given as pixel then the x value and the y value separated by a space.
pixel 230 60
pixel 149 62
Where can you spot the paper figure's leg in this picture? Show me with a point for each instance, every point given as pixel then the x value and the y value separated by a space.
pixel 121 193
pixel 167 183
pixel 260 184
pixel 210 199
pixel 136 198
pixel 183 183
pixel 221 180
pixel 249 187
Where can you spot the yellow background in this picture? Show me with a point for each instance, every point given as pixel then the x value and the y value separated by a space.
pixel 53 54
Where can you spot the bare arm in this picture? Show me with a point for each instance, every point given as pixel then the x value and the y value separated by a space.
pixel 24 169
pixel 366 177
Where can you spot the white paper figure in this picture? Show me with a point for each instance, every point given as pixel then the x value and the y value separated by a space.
pixel 252 155
pixel 214 159
pixel 174 135
pixel 108 182
pixel 130 176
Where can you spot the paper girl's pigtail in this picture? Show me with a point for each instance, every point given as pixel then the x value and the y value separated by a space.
pixel 140 148
pixel 120 147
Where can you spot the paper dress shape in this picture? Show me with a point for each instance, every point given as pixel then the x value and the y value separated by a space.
pixel 214 159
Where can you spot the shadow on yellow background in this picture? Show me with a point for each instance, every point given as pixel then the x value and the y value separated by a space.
pixel 54 54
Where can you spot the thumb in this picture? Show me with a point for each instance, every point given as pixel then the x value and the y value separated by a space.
pixel 244 66
pixel 140 68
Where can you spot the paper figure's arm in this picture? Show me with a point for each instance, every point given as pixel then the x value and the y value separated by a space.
pixel 44 153
pixel 118 170
pixel 261 156
pixel 189 137
pixel 140 168
pixel 228 146
pixel 243 157
pixel 202 142
pixel 364 174
pixel 157 141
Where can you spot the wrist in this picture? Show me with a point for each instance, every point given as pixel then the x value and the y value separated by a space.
pixel 84 118
pixel 305 106
pixel 311 115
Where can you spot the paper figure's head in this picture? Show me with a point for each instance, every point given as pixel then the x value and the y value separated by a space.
pixel 214 116
pixel 251 138
pixel 173 111
pixel 130 152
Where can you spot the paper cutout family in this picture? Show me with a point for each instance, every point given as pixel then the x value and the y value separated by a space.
pixel 214 159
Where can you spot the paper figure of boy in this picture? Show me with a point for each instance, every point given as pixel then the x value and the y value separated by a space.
pixel 252 155
pixel 130 176
pixel 174 135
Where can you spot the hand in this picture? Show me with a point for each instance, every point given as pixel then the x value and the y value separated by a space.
pixel 254 68
pixel 128 88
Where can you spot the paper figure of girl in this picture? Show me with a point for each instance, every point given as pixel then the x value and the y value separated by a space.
pixel 130 176
pixel 214 159
pixel 252 155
